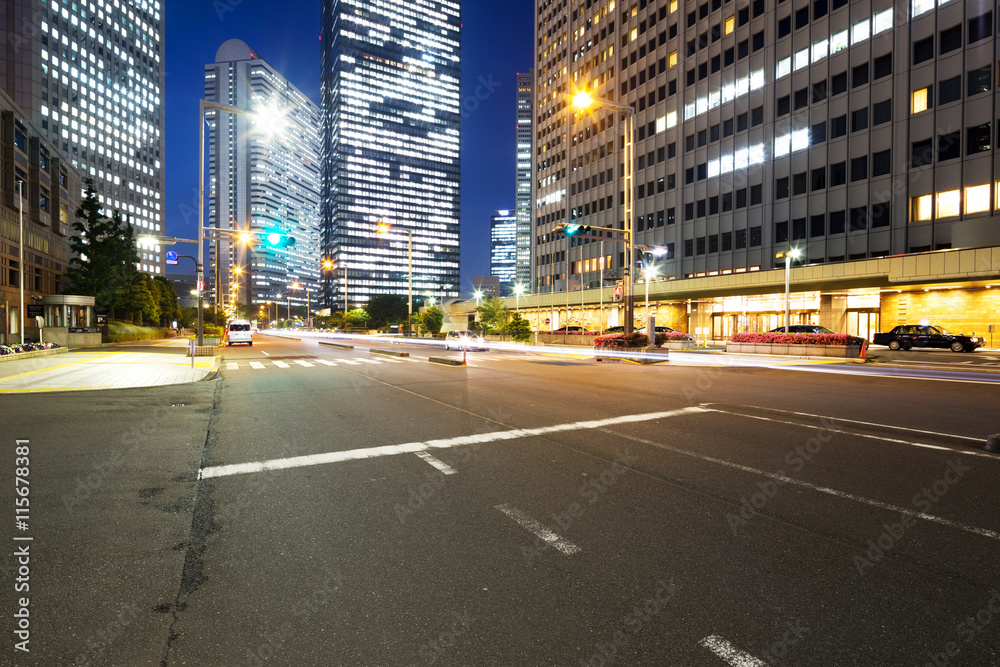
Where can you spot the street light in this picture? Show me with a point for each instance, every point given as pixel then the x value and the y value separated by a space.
pixel 583 100
pixel 788 255
pixel 518 291
pixel 478 294
pixel 385 228
pixel 649 272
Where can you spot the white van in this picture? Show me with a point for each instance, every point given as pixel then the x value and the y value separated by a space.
pixel 239 332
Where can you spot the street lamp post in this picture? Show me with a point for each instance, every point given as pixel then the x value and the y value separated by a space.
pixel 384 228
pixel 308 302
pixel 788 255
pixel 518 291
pixel 583 100
pixel 20 257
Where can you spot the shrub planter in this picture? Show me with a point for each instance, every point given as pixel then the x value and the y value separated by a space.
pixel 796 350
pixel 680 345
pixel 33 353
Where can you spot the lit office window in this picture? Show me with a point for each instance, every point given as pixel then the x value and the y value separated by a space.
pixel 883 21
pixel 977 198
pixel 839 41
pixel 673 6
pixel 922 6
pixel 672 60
pixel 730 24
pixel 922 207
pixel 949 203
pixel 634 34
pixel 784 67
pixel 921 100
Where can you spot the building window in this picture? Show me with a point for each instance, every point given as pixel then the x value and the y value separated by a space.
pixel 837 221
pixel 859 168
pixel 949 146
pixel 741 239
pixel 838 173
pixel 817 226
pixel 977 198
pixel 922 207
pixel 784 27
pixel 923 50
pixel 784 106
pixel 859 120
pixel 781 232
pixel 881 163
pixel 819 92
pixel 817 134
pixel 881 215
pixel 799 183
pixel 672 59
pixel 882 66
pixel 730 25
pixel 980 27
pixel 948 203
pixel 859 218
pixel 859 75
pixel 922 100
pixel 882 112
pixel 756 194
pixel 799 229
pixel 838 83
pixel 781 188
pixel 755 237
pixel 978 138
pixel 818 179
pixel 838 126
pixel 980 81
pixel 950 90
pixel 801 98
pixel 951 39
pixel 921 153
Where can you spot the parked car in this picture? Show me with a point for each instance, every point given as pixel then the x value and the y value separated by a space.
pixel 906 336
pixel 239 331
pixel 464 338
pixel 621 329
pixel 804 328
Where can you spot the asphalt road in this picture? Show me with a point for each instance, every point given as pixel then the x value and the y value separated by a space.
pixel 323 506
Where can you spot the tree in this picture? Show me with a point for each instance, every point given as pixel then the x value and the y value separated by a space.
pixel 357 318
pixel 494 314
pixel 170 309
pixel 387 309
pixel 519 328
pixel 139 301
pixel 104 254
pixel 432 319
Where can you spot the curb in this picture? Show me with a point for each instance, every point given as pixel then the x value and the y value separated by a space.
pixel 339 346
pixel 446 361
pixel 389 353
pixel 34 353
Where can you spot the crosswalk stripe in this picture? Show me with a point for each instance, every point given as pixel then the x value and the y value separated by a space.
pixel 325 362
pixel 369 361
pixel 256 365
pixel 232 366
pixel 281 364
pixel 348 361
pixel 303 363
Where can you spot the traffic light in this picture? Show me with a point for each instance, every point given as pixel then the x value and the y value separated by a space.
pixel 574 230
pixel 277 239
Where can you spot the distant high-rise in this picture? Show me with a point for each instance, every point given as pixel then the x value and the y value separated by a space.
pixel 391 123
pixel 264 173
pixel 90 75
pixel 525 114
pixel 503 245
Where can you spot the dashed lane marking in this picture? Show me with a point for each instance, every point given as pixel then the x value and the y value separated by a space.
pixel 730 653
pixel 437 463
pixel 540 531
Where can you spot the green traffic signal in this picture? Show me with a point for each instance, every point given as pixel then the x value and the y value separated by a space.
pixel 573 230
pixel 277 239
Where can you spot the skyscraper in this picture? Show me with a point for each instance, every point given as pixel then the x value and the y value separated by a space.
pixel 843 131
pixel 90 75
pixel 525 123
pixel 391 104
pixel 503 246
pixel 265 176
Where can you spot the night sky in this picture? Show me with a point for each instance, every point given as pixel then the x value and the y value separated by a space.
pixel 496 43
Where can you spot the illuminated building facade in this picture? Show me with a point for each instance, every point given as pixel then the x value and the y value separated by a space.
pixel 264 175
pixel 524 199
pixel 91 76
pixel 503 246
pixel 846 131
pixel 391 106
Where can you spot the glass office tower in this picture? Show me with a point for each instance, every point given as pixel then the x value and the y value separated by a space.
pixel 265 177
pixel 391 106
pixel 525 114
pixel 503 246
pixel 90 75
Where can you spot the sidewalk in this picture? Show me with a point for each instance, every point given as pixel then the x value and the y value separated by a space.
pixel 146 364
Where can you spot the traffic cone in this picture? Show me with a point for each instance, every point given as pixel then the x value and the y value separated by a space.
pixel 864 350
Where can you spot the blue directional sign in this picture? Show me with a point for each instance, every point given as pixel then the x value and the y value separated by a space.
pixel 171 257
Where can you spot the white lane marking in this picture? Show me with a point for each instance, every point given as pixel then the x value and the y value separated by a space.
pixel 256 365
pixel 525 521
pixel 822 489
pixel 348 361
pixel 730 653
pixel 392 361
pixel 325 362
pixel 369 361
pixel 865 374
pixel 885 426
pixel 437 463
pixel 232 366
pixel 985 455
pixel 265 353
pixel 281 364
pixel 304 363
pixel 444 443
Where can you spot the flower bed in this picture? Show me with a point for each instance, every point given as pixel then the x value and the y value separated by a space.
pixel 794 339
pixel 27 347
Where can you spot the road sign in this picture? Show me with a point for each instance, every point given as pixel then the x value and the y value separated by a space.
pixel 171 257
